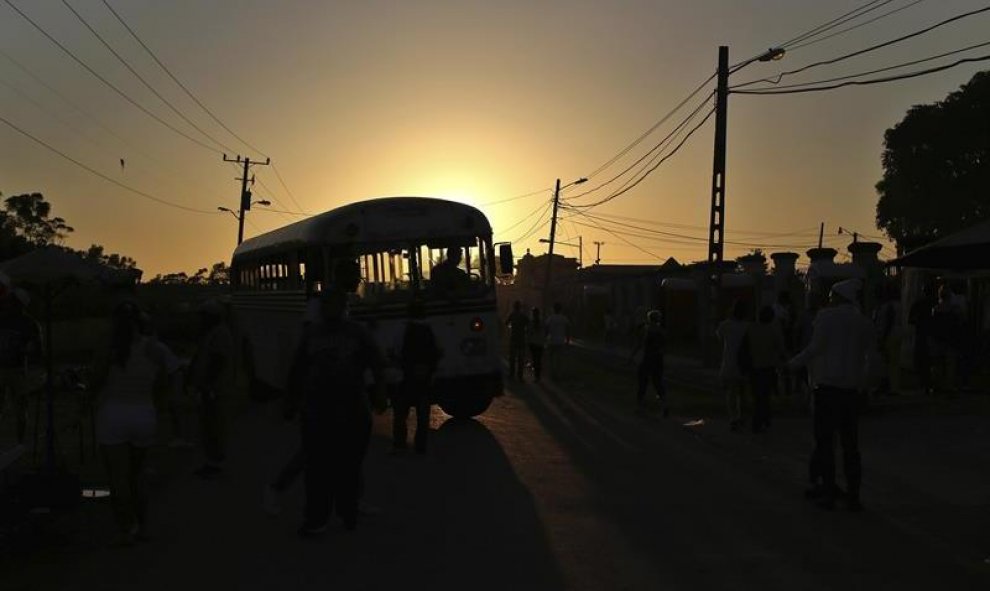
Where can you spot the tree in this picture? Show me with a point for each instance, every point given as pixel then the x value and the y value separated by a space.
pixel 219 274
pixel 116 261
pixel 29 216
pixel 936 165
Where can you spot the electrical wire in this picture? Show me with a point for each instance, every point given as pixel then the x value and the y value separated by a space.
pixel 109 84
pixel 853 27
pixel 879 70
pixel 836 22
pixel 188 92
pixel 782 75
pixel 100 174
pixel 620 237
pixel 628 188
pixel 759 233
pixel 146 84
pixel 282 182
pixel 653 128
pixel 868 82
pixel 537 225
pixel 516 198
pixel 658 147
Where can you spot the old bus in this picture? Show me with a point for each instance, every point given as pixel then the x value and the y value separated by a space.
pixel 398 242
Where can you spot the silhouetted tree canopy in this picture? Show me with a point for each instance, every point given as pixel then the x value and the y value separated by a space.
pixel 936 165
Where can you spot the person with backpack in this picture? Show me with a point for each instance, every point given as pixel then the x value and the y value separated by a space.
pixel 418 357
pixel 518 324
pixel 767 352
pixel 652 343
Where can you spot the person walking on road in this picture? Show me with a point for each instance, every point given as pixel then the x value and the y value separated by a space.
pixel 210 377
pixel 652 344
pixel 887 320
pixel 124 378
pixel 328 377
pixel 536 337
pixel 731 333
pixel 419 355
pixel 558 337
pixel 921 317
pixel 767 353
pixel 517 323
pixel 839 355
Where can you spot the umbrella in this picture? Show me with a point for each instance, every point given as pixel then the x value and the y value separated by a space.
pixel 51 268
pixel 967 249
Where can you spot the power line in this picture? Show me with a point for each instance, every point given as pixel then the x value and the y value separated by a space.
pixel 879 70
pixel 651 170
pixel 147 84
pixel 869 82
pixel 106 82
pixel 100 174
pixel 281 181
pixel 653 128
pixel 658 147
pixel 836 22
pixel 542 207
pixel 537 225
pixel 854 27
pixel 779 77
pixel 808 231
pixel 516 198
pixel 622 238
pixel 188 92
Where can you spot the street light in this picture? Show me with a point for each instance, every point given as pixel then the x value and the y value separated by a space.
pixel 553 234
pixel 240 217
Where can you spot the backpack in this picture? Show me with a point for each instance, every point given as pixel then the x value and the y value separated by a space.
pixel 420 353
pixel 744 356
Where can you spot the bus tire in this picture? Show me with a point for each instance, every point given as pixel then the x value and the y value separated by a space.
pixel 465 407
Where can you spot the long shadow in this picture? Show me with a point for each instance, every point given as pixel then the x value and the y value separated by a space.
pixel 459 517
pixel 708 522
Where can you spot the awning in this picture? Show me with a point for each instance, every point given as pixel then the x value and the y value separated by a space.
pixel 967 249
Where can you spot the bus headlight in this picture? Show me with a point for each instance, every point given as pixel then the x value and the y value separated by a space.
pixel 477 325
pixel 474 346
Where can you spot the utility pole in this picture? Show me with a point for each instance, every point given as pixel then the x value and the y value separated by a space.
pixel 553 235
pixel 245 193
pixel 598 251
pixel 821 234
pixel 716 223
pixel 581 251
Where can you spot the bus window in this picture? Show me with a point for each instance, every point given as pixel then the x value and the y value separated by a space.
pixel 386 275
pixel 469 276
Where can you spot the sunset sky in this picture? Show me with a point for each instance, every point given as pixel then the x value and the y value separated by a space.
pixel 469 100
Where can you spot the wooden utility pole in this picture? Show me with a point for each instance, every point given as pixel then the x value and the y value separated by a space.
pixel 598 251
pixel 553 236
pixel 245 193
pixel 716 223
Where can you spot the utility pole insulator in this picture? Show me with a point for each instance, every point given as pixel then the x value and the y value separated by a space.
pixel 245 192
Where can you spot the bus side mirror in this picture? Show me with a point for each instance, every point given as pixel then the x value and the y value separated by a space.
pixel 506 264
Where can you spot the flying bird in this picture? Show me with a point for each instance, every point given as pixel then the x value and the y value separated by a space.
pixel 121 164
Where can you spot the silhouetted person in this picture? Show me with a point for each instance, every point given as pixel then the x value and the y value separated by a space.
pixel 839 352
pixel 419 355
pixel 731 333
pixel 20 347
pixel 210 376
pixel 887 322
pixel 447 275
pixel 168 387
pixel 767 352
pixel 346 278
pixel 124 377
pixel 558 337
pixel 328 375
pixel 922 318
pixel 653 344
pixel 784 318
pixel 517 323
pixel 537 340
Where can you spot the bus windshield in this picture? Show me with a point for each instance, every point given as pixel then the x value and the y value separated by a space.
pixel 453 268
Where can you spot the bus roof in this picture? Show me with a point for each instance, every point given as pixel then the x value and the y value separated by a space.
pixel 384 220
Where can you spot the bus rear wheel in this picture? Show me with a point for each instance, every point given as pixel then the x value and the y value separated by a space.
pixel 465 407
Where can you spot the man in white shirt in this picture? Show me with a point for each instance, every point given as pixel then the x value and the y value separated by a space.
pixel 838 354
pixel 558 337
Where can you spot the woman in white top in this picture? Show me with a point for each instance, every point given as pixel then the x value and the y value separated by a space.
pixel 124 379
pixel 732 332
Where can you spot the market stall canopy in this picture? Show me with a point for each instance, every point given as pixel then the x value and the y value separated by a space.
pixel 967 249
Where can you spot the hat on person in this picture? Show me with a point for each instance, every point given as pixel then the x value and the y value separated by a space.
pixel 22 296
pixel 847 289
